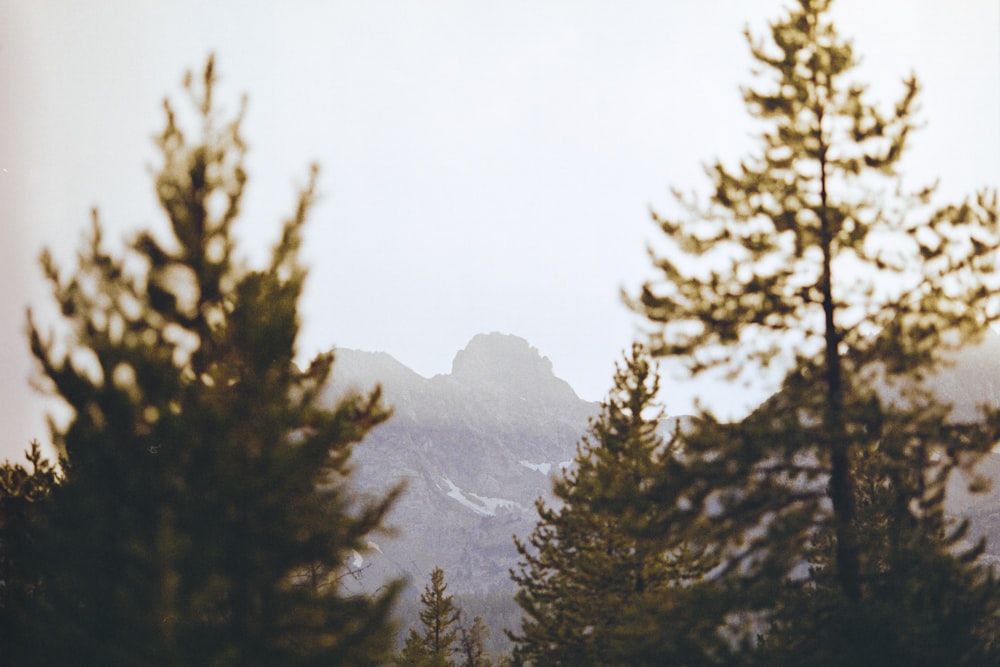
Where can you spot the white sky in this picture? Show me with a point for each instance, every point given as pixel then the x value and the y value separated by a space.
pixel 487 165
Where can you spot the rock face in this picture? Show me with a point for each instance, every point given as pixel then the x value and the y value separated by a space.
pixel 474 449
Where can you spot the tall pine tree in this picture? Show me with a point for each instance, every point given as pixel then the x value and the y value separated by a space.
pixel 206 515
pixel 811 254
pixel 592 567
pixel 440 619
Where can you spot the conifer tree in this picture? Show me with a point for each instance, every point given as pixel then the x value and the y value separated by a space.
pixel 472 644
pixel 810 254
pixel 22 491
pixel 439 617
pixel 414 653
pixel 590 568
pixel 206 514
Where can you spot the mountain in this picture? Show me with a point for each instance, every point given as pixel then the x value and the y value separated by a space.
pixel 475 448
pixel 971 379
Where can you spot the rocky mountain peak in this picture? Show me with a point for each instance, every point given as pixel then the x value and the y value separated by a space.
pixel 508 363
pixel 475 448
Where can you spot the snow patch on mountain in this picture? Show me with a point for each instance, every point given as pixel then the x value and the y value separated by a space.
pixel 545 468
pixel 493 504
pixel 480 504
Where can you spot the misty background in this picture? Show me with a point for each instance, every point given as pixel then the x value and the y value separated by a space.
pixel 486 166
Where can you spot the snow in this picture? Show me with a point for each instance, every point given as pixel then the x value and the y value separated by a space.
pixel 543 468
pixel 480 504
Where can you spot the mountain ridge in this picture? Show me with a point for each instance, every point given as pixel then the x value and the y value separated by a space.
pixel 476 447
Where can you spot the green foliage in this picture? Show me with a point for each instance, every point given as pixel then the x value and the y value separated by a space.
pixel 810 256
pixel 498 611
pixel 439 617
pixel 593 566
pixel 472 644
pixel 414 653
pixel 206 516
pixel 22 490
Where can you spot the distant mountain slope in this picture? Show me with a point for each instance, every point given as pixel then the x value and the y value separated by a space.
pixel 477 446
pixel 972 379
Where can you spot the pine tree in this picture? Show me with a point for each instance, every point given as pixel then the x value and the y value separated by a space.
pixel 472 644
pixel 414 653
pixel 206 516
pixel 810 254
pixel 590 568
pixel 439 617
pixel 22 491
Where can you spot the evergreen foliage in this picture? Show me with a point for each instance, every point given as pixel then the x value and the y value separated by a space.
pixel 414 653
pixel 22 490
pixel 440 618
pixel 825 507
pixel 206 515
pixel 592 568
pixel 472 644
pixel 498 611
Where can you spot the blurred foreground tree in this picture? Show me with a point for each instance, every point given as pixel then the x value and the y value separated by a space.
pixel 22 491
pixel 205 517
pixel 592 568
pixel 810 255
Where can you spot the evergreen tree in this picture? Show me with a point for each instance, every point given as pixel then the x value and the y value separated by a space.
pixel 440 620
pixel 440 617
pixel 22 490
pixel 206 515
pixel 591 568
pixel 414 653
pixel 472 644
pixel 810 254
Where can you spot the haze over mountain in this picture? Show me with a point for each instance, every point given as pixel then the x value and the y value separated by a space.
pixel 476 447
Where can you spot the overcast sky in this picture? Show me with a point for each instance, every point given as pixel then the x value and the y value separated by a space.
pixel 487 165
